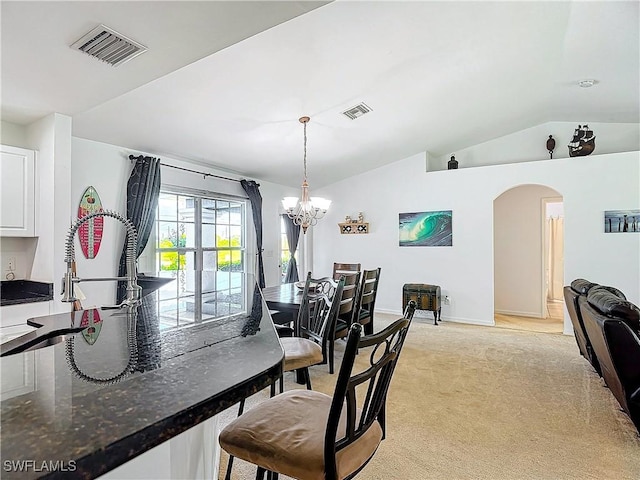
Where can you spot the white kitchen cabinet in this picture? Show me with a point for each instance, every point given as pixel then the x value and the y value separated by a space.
pixel 193 455
pixel 18 371
pixel 11 315
pixel 17 192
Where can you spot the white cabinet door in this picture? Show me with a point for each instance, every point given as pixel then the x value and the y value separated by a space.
pixel 19 314
pixel 17 192
pixel 192 455
pixel 18 371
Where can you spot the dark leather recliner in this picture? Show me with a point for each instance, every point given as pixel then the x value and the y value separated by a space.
pixel 613 327
pixel 579 287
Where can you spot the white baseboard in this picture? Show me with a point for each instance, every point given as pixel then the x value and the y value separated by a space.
pixel 519 314
pixel 470 321
pixel 428 315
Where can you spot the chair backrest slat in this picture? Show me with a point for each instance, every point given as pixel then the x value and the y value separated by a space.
pixel 319 308
pixel 376 378
pixel 344 268
pixel 349 298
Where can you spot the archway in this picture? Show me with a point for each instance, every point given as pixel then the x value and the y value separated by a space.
pixel 527 283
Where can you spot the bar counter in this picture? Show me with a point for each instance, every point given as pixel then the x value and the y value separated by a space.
pixel 119 385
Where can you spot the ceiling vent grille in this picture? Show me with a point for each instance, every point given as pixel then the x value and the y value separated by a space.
pixel 109 46
pixel 357 111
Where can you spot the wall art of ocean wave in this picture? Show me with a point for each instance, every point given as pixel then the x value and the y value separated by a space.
pixel 426 229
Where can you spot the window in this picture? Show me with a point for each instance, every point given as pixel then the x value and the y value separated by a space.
pixel 200 243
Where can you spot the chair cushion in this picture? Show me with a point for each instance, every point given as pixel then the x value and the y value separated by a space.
pixel 613 290
pixel 364 316
pixel 606 301
pixel 286 433
pixel 581 285
pixel 300 353
pixel 342 327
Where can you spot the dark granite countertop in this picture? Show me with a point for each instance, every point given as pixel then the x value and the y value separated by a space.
pixel 123 383
pixel 16 292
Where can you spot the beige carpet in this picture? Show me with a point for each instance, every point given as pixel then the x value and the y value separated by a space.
pixel 470 402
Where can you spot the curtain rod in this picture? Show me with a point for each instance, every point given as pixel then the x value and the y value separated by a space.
pixel 205 175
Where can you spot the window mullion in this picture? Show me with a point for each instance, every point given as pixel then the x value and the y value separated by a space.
pixel 198 258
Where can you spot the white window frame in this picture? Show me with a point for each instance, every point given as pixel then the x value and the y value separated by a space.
pixel 148 261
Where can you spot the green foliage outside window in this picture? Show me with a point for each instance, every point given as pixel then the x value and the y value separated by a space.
pixel 228 260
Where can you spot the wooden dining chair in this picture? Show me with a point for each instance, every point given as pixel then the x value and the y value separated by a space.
pixel 367 299
pixel 319 308
pixel 310 435
pixel 346 312
pixel 344 268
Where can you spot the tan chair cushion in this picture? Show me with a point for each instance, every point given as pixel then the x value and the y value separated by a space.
pixel 285 434
pixel 300 353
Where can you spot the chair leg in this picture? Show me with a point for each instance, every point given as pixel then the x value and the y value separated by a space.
pixel 368 327
pixel 231 457
pixel 229 467
pixel 282 382
pixel 331 356
pixel 306 373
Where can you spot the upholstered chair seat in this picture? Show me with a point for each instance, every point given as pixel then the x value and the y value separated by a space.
pixel 300 353
pixel 286 434
pixel 309 435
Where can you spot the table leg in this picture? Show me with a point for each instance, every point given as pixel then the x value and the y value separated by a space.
pixel 301 376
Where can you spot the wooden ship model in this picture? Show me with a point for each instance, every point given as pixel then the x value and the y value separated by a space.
pixel 583 142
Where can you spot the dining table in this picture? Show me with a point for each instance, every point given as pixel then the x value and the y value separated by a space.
pixel 285 298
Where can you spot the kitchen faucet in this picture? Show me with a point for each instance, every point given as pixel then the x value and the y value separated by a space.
pixel 69 280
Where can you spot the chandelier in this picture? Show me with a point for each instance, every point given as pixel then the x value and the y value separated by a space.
pixel 310 209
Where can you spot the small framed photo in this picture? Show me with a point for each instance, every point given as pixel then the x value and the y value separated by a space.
pixel 622 221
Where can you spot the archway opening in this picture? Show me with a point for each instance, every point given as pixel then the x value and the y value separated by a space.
pixel 528 259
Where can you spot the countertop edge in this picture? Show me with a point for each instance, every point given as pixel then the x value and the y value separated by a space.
pixel 24 301
pixel 118 453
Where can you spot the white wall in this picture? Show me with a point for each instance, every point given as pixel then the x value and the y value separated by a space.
pixel 12 134
pixel 107 168
pixel 589 185
pixel 530 144
pixel 51 138
pixel 519 250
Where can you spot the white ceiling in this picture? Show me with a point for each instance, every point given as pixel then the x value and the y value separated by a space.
pixel 224 83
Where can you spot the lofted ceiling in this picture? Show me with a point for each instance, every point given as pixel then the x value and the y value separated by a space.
pixel 224 82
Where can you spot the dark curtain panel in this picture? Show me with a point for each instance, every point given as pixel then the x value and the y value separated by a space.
pixel 252 325
pixel 143 189
pixel 293 234
pixel 253 191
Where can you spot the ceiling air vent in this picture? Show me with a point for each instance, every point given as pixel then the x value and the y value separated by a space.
pixel 357 111
pixel 109 46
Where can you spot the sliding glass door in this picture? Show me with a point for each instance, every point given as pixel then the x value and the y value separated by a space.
pixel 200 244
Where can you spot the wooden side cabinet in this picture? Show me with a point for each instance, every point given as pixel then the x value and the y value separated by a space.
pixel 17 192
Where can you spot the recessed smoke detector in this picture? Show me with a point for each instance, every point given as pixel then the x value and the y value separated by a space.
pixel 109 46
pixel 587 83
pixel 357 111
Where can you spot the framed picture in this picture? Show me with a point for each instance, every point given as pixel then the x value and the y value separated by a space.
pixel 426 229
pixel 622 221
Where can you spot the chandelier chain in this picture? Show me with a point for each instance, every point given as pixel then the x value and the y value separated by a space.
pixel 308 211
pixel 305 151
